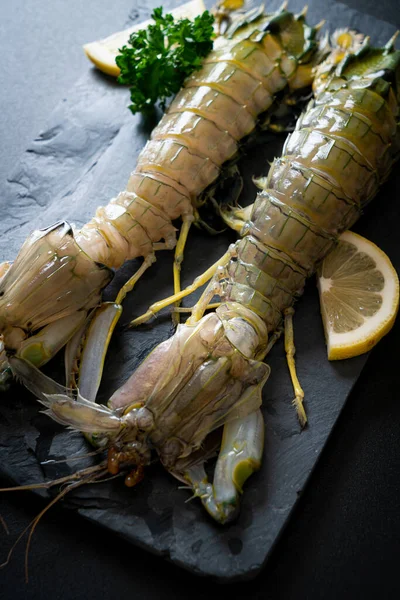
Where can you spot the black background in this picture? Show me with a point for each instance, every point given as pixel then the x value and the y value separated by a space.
pixel 343 540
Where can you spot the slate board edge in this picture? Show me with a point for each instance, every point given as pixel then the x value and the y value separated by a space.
pixel 233 579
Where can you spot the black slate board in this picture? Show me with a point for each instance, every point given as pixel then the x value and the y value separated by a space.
pixel 81 160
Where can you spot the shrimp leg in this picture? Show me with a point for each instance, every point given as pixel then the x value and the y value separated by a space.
pixel 202 304
pixel 290 353
pixel 235 219
pixel 197 283
pixel 129 285
pixel 189 309
pixel 187 221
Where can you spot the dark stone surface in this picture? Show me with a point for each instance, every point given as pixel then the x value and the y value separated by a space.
pixel 82 158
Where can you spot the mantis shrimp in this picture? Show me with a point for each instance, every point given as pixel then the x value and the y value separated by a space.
pixel 211 372
pixel 57 279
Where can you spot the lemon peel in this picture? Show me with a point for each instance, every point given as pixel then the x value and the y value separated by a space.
pixel 359 296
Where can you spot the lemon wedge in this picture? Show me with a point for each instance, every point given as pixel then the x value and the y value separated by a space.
pixel 359 296
pixel 102 53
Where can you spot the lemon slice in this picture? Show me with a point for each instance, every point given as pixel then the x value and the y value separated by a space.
pixel 359 296
pixel 103 52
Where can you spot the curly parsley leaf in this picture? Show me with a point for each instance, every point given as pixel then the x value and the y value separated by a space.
pixel 159 58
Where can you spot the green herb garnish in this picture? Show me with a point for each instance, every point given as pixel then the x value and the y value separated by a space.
pixel 159 58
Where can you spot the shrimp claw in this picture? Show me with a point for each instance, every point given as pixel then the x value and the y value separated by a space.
pixel 240 456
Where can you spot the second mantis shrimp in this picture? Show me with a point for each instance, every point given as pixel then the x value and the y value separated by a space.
pixel 57 279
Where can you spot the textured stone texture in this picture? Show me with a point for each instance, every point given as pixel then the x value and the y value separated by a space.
pixel 83 157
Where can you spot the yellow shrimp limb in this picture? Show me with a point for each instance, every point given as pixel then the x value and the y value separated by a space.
pixel 290 353
pixel 201 305
pixel 180 246
pixel 188 309
pixel 198 282
pixel 129 285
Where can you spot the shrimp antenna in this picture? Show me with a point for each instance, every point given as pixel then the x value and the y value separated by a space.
pixel 4 525
pixel 48 484
pixel 51 461
pixel 92 477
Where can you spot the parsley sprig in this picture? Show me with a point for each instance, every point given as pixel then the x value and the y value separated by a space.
pixel 159 58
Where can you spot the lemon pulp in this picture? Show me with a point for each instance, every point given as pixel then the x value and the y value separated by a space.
pixel 359 296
